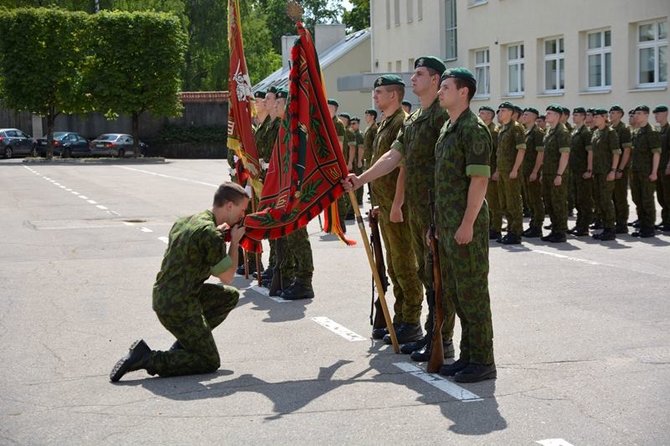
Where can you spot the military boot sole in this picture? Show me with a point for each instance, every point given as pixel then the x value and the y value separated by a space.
pixel 476 374
pixel 137 354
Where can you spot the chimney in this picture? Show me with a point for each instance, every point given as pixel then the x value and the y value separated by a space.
pixel 326 36
pixel 286 45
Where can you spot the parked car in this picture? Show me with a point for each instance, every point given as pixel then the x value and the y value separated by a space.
pixel 115 144
pixel 65 144
pixel 15 142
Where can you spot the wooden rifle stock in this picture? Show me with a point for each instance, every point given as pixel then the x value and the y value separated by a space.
pixel 437 349
pixel 376 314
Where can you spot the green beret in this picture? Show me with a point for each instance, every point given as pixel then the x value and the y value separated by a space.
pixel 430 62
pixel 599 111
pixel 272 90
pixel 589 111
pixel 642 108
pixel 459 73
pixel 486 108
pixel 565 110
pixel 508 105
pixel 518 109
pixel 661 109
pixel 371 111
pixel 346 115
pixel 260 94
pixel 631 111
pixel 532 110
pixel 616 107
pixel 333 102
pixel 355 119
pixel 389 79
pixel 555 108
pixel 581 110
pixel 407 103
pixel 282 93
pixel 542 117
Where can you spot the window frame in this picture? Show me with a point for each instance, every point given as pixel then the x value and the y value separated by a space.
pixel 558 56
pixel 520 61
pixel 654 44
pixel 483 91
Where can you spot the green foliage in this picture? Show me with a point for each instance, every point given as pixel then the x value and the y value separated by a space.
pixel 359 16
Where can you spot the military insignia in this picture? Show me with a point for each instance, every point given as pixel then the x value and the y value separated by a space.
pixel 479 148
pixel 378 83
pixel 419 63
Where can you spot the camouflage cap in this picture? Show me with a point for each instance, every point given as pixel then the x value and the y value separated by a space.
pixel 508 105
pixel 532 110
pixel 599 112
pixel 555 108
pixel 430 62
pixel 486 108
pixel 660 108
pixel 260 94
pixel 616 107
pixel 642 108
pixel 333 102
pixel 459 73
pixel 282 93
pixel 580 110
pixel 389 79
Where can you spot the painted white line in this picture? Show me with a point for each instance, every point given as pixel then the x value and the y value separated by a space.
pixel 74 192
pixel 441 383
pixel 127 223
pixel 92 201
pixel 99 206
pixel 68 190
pixel 553 442
pixel 338 329
pixel 83 197
pixel 56 184
pixel 110 212
pixel 265 292
pixel 145 229
pixel 62 187
pixel 555 254
pixel 148 172
pixel 164 239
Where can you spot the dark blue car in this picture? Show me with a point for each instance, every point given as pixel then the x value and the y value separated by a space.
pixel 66 144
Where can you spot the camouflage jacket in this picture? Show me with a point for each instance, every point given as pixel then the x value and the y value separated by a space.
pixel 511 138
pixel 580 144
pixel 368 138
pixel 605 144
pixel 534 144
pixel 646 142
pixel 383 188
pixel 556 141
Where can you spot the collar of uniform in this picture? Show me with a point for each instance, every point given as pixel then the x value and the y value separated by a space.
pixel 424 114
pixel 452 125
pixel 530 129
pixel 390 118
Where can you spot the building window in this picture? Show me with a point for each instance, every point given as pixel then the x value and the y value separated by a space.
pixel 390 67
pixel 452 37
pixel 419 12
pixel 483 72
pixel 396 11
pixel 398 66
pixel 599 59
pixel 515 69
pixel 410 64
pixel 652 52
pixel 388 14
pixel 477 2
pixel 410 11
pixel 554 65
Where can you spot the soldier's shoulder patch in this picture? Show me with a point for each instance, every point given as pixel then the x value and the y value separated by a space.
pixel 479 147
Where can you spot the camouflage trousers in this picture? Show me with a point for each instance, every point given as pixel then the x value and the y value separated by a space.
pixel 295 256
pixel 643 196
pixel 419 225
pixel 465 270
pixel 495 216
pixel 620 195
pixel 663 194
pixel 583 201
pixel 401 265
pixel 602 190
pixel 511 205
pixel 193 330
pixel 535 203
pixel 556 203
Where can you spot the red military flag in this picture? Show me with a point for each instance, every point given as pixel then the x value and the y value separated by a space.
pixel 240 129
pixel 307 163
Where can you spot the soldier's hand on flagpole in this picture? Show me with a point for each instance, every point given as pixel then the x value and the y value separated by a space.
pixel 236 233
pixel 351 182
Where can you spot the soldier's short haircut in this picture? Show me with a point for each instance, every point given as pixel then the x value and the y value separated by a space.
pixel 398 89
pixel 228 192
pixel 463 83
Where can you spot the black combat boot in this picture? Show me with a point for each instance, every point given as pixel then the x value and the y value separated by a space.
pixel 606 235
pixel 423 355
pixel 494 235
pixel 406 333
pixel 137 358
pixel 511 239
pixel 176 346
pixel 621 228
pixel 556 237
pixel 533 232
pixel 644 232
pixel 476 372
pixel 299 289
pixel 452 369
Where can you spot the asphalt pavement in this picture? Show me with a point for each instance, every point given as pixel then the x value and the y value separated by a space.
pixel 582 333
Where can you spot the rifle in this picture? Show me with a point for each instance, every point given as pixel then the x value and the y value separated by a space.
pixel 376 313
pixel 437 349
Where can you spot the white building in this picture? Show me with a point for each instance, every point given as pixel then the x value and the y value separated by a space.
pixel 534 52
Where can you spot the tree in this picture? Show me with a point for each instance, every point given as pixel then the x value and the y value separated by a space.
pixel 41 55
pixel 359 16
pixel 135 65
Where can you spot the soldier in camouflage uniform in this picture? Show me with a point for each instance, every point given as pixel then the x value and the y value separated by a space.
pixel 510 154
pixel 554 189
pixel 462 170
pixel 620 194
pixel 644 171
pixel 349 148
pixel 187 306
pixel 342 202
pixel 603 160
pixel 401 263
pixel 486 114
pixel 532 163
pixel 358 157
pixel 580 145
pixel 368 138
pixel 663 182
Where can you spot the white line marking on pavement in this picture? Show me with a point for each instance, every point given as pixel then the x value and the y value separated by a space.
pixel 554 254
pixel 148 172
pixel 83 197
pixel 164 239
pixel 338 329
pixel 265 292
pixel 435 380
pixel 99 206
pixel 68 190
pixel 92 201
pixel 553 442
pixel 111 212
pixel 127 223
pixel 145 229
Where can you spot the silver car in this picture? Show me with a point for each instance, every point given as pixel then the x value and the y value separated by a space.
pixel 115 144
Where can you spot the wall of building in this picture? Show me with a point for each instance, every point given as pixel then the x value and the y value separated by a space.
pixel 356 61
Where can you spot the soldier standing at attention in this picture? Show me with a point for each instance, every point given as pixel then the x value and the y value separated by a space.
pixel 187 306
pixel 370 132
pixel 401 263
pixel 333 105
pixel 603 160
pixel 554 189
pixel 511 150
pixel 358 156
pixel 663 182
pixel 541 122
pixel 487 114
pixel 580 144
pixel 622 173
pixel 462 169
pixel 532 162
pixel 644 171
pixel 407 107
